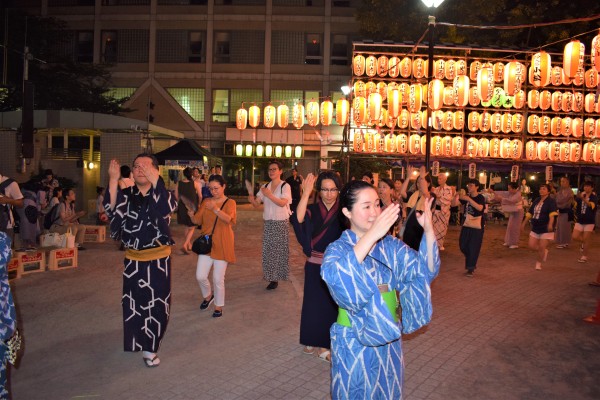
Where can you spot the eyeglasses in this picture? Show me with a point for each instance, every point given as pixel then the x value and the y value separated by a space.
pixel 334 190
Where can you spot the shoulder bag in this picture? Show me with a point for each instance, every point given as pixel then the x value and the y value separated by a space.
pixel 203 244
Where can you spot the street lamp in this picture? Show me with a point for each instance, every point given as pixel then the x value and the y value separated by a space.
pixel 431 4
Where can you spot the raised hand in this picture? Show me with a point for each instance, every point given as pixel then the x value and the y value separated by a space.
pixel 425 218
pixel 385 220
pixel 150 173
pixel 308 184
pixel 114 170
pixel 411 173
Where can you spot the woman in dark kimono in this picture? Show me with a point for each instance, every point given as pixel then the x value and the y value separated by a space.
pixel 316 225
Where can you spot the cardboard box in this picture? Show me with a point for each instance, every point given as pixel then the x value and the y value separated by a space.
pixel 95 233
pixel 62 259
pixel 13 269
pixel 30 261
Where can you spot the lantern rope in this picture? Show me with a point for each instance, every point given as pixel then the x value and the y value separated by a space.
pixel 535 25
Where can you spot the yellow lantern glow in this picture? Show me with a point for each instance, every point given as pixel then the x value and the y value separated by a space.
pixel 531 150
pixel 288 151
pixel 371 87
pixel 298 152
pixel 254 116
pixel 436 119
pixel 448 120
pixel 358 65
pixel 342 112
pixel 283 116
pixel 403 119
pixel 405 67
pixel 382 90
pixel 390 143
pixel 382 66
pixel 514 75
pixel 415 120
pixel 249 149
pixel 414 98
pixel 539 72
pixel 326 113
pixel 418 68
pixel 260 150
pixel 360 89
pixel 460 88
pixel 435 98
pixel 359 109
pixel 556 76
pixel 298 115
pixel 394 103
pixel 371 66
pixel 269 150
pixel 241 119
pixel 595 53
pixel 278 151
pixel 555 126
pixel 542 150
pixel 436 146
pixel 270 115
pixel 394 67
pixel 239 150
pixel 374 107
pixel 448 96
pixel 485 83
pixel 505 148
pixel 573 58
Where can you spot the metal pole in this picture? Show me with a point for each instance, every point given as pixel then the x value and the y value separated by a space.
pixel 429 77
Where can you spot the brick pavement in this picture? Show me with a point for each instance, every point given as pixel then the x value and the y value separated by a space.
pixel 509 333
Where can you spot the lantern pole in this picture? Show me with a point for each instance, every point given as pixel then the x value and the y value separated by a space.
pixel 429 77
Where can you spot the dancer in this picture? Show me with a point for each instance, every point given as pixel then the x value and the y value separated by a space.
pixel 316 226
pixel 444 195
pixel 140 216
pixel 412 230
pixel 542 213
pixel 189 196
pixel 364 269
pixel 512 204
pixel 564 202
pixel 8 315
pixel 585 212
pixel 471 233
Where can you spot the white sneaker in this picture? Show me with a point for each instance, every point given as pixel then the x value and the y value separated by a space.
pixel 538 266
pixel 562 246
pixel 582 259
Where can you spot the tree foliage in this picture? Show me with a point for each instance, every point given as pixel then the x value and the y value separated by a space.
pixel 60 82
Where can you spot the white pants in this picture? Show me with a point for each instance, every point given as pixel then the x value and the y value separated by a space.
pixel 202 271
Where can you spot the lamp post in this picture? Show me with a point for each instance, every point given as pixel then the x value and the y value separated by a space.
pixel 431 4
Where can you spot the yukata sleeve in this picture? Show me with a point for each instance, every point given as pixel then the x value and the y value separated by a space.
pixel 413 280
pixel 356 292
pixel 8 316
pixel 117 215
pixel 163 202
pixel 303 231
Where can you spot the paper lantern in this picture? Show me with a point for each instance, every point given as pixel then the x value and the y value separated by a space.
pixel 374 107
pixel 533 99
pixel 588 153
pixel 496 122
pixel 423 145
pixel 533 124
pixel 565 79
pixel 241 119
pixel 573 56
pixel 439 69
pixel 435 98
pixel 567 102
pixel 359 110
pixel 556 76
pixel 414 144
pixel 260 150
pixel 436 146
pixel 254 116
pixel 312 113
pixel 539 72
pixel 390 143
pixel 514 75
pixel 542 150
pixel 360 89
pixel 545 99
pixel 460 90
pixel 370 87
pixel 507 119
pixel 460 68
pixel 485 121
pixel 545 125
pixel 414 98
pixel 298 115
pixel 390 122
pixel 483 148
pixel 473 122
pixel 418 68
pixel 474 69
pixel 556 101
pixel 269 150
pixel 589 127
pixel 485 83
pixel 447 146
pixel 448 121
pixel 248 151
pixel 382 66
pixel 595 53
pixel 597 129
pixel 554 151
pixel 269 115
pixel 288 151
pixel 498 71
pixel 437 118
pixel 383 117
pixel 342 112
pixel 519 99
pixel 575 152
pixel 555 126
pixel 471 147
pixel 358 65
pixel 326 113
pixel 405 67
pixel 402 143
pixel 394 103
pixel 566 124
pixel 450 70
pixel 393 67
pixel 579 78
pixel 531 150
pixel 369 140
pixel 517 123
pixel 404 89
pixel 358 143
pixel 457 146
pixel 590 102
pixel 577 102
pixel 371 66
pixel 403 119
pixel 379 143
pixel 283 114
pixel 459 120
pixel 415 120
pixel 495 147
pixel 498 97
pixel 591 78
pixel 474 99
pixel 505 148
pixel 448 96
pixel 516 149
pixel 382 90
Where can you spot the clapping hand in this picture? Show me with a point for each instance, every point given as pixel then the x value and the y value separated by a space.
pixel 150 173
pixel 425 218
pixel 385 220
pixel 308 184
pixel 114 170
pixel 411 173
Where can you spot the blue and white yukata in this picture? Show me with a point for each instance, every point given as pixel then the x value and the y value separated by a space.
pixel 8 315
pixel 367 360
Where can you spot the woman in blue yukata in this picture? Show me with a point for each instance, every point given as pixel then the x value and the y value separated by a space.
pixel 364 270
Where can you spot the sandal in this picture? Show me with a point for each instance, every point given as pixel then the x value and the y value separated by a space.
pixel 152 362
pixel 325 356
pixel 308 350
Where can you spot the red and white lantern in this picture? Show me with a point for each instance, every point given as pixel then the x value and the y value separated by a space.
pixel 514 75
pixel 394 102
pixel 393 67
pixel 539 72
pixel 545 99
pixel 283 115
pixel 435 94
pixel 573 58
pixel 270 115
pixel 485 83
pixel 460 89
pixel 459 120
pixel 241 119
pixel 533 99
pixel 519 99
pixel 254 116
pixel 556 76
pixel 342 112
pixel 358 65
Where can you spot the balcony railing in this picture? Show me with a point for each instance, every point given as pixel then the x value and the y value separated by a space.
pixel 70 154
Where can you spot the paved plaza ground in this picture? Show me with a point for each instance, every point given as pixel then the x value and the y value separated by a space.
pixel 508 333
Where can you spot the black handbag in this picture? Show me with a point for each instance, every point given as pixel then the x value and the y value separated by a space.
pixel 203 244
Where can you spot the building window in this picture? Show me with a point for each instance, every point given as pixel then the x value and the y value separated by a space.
pixel 239 47
pixel 313 49
pixel 85 46
pixel 339 50
pixel 179 46
pixel 226 102
pixel 220 109
pixel 125 46
pixel 287 47
pixel 191 100
pixel 109 46
pixel 289 97
pixel 222 47
pixel 69 3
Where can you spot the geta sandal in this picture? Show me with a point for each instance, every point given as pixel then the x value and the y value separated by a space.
pixel 152 362
pixel 325 356
pixel 308 350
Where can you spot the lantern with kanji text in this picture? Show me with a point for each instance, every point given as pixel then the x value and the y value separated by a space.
pixel 573 57
pixel 542 150
pixel 298 115
pixel 342 112
pixel 402 143
pixel 471 147
pixel 556 76
pixel 382 66
pixel 474 69
pixel 414 98
pixel 485 121
pixel 507 119
pixel 360 89
pixel 359 110
pixel 418 68
pixel 474 99
pixel 439 68
pixel 394 102
pixel 590 102
pixel 447 146
pixel 545 125
pixel 460 90
pixel 566 124
pixel 539 72
pixel 505 148
pixel 459 120
pixel 498 71
pixel 567 102
pixel 457 146
pixel 371 66
pixel 557 101
pixel 254 116
pixel 473 122
pixel 483 148
pixel 406 67
pixel 485 83
pixel 393 67
pixel 358 65
pixel 283 114
pixel 435 94
pixel 555 126
pixel 531 150
pixel 414 144
pixel 575 152
pixel 533 124
pixel 577 105
pixel 436 146
pixel 496 122
pixel 403 119
pixel 312 113
pixel 577 127
pixel 519 99
pixel 241 118
pixel 269 115
pixel 450 70
pixel 554 151
pixel 495 147
pixel 326 113
pixel 533 99
pixel 514 75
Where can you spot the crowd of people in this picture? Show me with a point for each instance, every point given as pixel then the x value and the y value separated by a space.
pixel 372 250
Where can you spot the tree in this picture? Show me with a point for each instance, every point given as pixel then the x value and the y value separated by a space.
pixel 60 82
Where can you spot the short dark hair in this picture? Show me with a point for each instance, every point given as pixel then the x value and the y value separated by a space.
pixel 513 185
pixel 56 191
pixel 276 162
pixel 588 183
pixel 368 174
pixel 328 175
pixel 387 181
pixel 48 172
pixel 147 155
pixel 99 189
pixel 349 195
pixel 187 172
pixel 217 178
pixel 125 171
pixel 474 182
